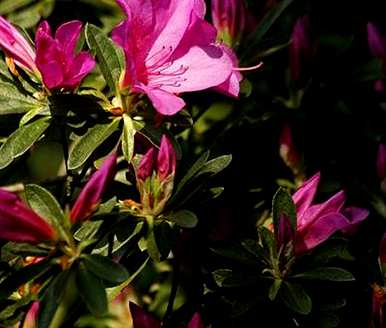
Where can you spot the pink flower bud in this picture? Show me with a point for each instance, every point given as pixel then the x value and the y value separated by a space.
pixel 16 46
pixel 56 59
pixel 30 320
pixel 196 321
pixel 300 48
pixel 142 319
pixel 376 41
pixel 91 194
pixel 19 223
pixel 166 159
pixel 146 166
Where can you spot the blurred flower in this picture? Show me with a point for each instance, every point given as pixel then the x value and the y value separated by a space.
pixel 317 222
pixel 142 319
pixel 56 59
pixel 31 317
pixel 155 177
pixel 169 50
pixel 90 196
pixel 17 47
pixel 377 46
pixel 288 151
pixel 231 18
pixel 381 166
pixel 19 223
pixel 300 48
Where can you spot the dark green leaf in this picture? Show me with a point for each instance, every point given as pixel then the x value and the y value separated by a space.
pixel 43 203
pixel 110 57
pixel 184 218
pixel 283 204
pixel 105 268
pixel 274 289
pixel 221 275
pixel 21 140
pixel 326 273
pixel 92 291
pixel 295 297
pixel 128 137
pixel 86 144
pixel 215 165
pixel 87 230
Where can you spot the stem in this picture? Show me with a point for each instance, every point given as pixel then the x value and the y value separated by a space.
pixel 67 184
pixel 173 292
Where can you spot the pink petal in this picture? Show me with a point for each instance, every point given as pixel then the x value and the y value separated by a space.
pixel 376 41
pixel 81 65
pixel 164 102
pixel 19 223
pixel 196 321
pixel 355 216
pixel 145 167
pixel 304 196
pixel 91 194
pixel 318 231
pixel 332 205
pixel 200 8
pixel 67 35
pixel 142 319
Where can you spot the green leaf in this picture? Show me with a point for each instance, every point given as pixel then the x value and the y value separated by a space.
pixel 110 57
pixel 21 140
pixel 8 6
pixel 184 218
pixel 326 273
pixel 221 275
pixel 45 204
pixel 274 289
pixel 22 276
pixel 87 230
pixel 215 165
pixel 91 290
pixel 282 203
pixel 269 19
pixel 86 144
pixel 105 268
pixel 295 297
pixel 128 137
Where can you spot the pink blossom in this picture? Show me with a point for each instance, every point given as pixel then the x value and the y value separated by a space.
pixel 17 47
pixel 31 317
pixel 19 223
pixel 317 222
pixel 91 194
pixel 300 48
pixel 56 59
pixel 170 49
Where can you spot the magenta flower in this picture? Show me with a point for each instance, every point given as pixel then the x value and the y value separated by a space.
pixel 142 319
pixel 381 166
pixel 169 50
pixel 19 223
pixel 90 196
pixel 300 48
pixel 317 222
pixel 56 59
pixel 31 317
pixel 155 177
pixel 17 47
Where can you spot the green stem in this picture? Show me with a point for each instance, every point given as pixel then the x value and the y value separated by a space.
pixel 173 291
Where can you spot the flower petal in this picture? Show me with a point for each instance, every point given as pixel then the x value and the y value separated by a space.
pixel 67 35
pixel 166 159
pixel 91 194
pixel 304 196
pixel 355 215
pixel 81 65
pixel 196 321
pixel 142 319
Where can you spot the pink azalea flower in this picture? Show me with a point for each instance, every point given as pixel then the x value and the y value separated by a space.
pixel 91 194
pixel 56 59
pixel 300 48
pixel 17 47
pixel 170 49
pixel 317 222
pixel 19 223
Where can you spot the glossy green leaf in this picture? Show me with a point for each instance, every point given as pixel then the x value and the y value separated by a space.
pixel 326 273
pixel 274 289
pixel 215 165
pixel 92 290
pixel 110 57
pixel 295 297
pixel 46 205
pixel 184 218
pixel 86 144
pixel 21 140
pixel 128 137
pixel 282 204
pixel 105 268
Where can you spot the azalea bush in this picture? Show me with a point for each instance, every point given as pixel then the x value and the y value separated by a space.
pixel 191 163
